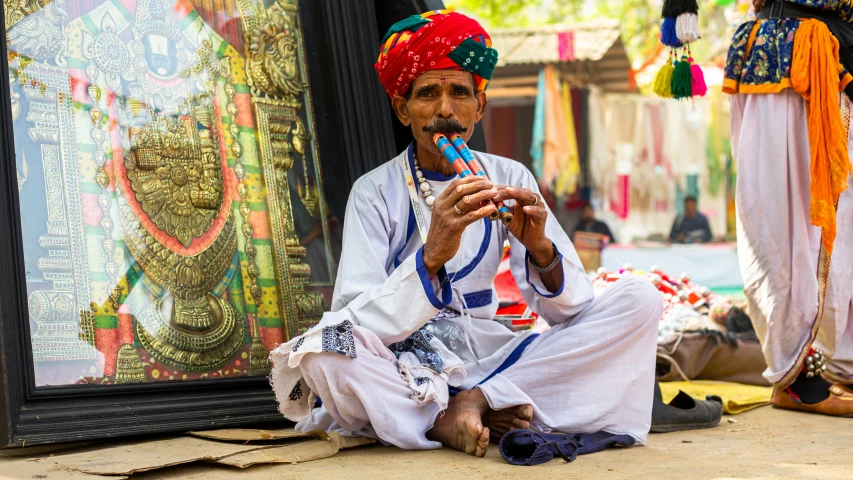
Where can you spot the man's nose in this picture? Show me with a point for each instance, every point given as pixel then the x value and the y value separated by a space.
pixel 445 106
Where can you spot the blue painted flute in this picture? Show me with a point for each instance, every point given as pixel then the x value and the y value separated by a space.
pixel 477 169
pixel 459 164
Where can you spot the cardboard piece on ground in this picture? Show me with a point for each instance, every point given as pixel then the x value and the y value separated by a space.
pixel 291 453
pixel 144 455
pixel 46 468
pixel 256 435
pixel 353 442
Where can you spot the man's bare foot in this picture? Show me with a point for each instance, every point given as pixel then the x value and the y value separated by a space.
pixel 502 421
pixel 460 427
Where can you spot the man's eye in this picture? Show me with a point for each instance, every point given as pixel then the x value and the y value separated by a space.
pixel 462 93
pixel 427 94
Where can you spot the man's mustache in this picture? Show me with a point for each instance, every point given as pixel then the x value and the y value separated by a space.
pixel 445 126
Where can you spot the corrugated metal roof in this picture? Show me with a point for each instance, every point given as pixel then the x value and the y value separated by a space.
pixel 590 40
pixel 594 54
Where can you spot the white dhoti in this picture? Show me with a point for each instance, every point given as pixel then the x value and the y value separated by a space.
pixel 796 294
pixel 397 338
pixel 593 373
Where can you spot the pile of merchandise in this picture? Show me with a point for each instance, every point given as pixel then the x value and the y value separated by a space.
pixel 686 306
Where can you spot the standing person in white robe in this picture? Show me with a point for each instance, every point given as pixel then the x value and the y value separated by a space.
pixel 791 139
pixel 414 300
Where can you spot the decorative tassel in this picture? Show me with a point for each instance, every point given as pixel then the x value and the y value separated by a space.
pixel 674 8
pixel 668 35
pixel 699 87
pixel 663 80
pixel 687 27
pixel 682 80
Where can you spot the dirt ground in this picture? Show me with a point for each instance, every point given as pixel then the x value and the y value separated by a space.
pixel 764 443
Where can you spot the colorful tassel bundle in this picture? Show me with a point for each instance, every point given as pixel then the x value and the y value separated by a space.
pixel 663 80
pixel 669 33
pixel 674 8
pixel 687 27
pixel 680 79
pixel 699 87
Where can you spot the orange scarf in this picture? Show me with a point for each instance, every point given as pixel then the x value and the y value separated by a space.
pixel 812 76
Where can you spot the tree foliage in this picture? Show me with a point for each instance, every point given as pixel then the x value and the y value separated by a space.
pixel 640 19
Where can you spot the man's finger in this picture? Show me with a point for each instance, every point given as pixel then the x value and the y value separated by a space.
pixel 461 181
pixel 475 200
pixel 449 193
pixel 536 212
pixel 469 188
pixel 524 196
pixel 477 214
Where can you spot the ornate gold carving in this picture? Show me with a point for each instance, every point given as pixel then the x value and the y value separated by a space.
pixel 307 194
pixel 272 55
pixel 129 367
pixel 176 175
pixel 193 352
pixel 190 350
pixel 259 355
pixel 105 198
pixel 259 363
pixel 277 89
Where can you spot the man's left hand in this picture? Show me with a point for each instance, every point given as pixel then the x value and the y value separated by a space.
pixel 528 225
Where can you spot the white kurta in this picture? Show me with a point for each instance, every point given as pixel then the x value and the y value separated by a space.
pixel 593 371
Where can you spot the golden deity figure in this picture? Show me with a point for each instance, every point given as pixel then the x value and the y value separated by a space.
pixel 177 189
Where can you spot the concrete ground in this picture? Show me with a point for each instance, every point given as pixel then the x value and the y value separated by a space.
pixel 764 443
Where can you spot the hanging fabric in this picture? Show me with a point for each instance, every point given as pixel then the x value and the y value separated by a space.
pixel 537 146
pixel 556 143
pixel 567 181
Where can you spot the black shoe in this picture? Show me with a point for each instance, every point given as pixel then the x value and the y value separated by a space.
pixel 684 413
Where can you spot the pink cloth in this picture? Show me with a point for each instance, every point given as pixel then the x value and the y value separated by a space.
pixel 566 46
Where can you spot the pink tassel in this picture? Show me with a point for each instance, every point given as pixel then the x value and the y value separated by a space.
pixel 699 87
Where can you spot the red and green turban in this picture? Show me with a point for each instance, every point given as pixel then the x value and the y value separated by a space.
pixel 436 40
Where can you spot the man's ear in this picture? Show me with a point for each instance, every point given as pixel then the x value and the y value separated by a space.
pixel 401 109
pixel 482 101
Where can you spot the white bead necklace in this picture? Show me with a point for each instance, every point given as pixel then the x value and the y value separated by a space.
pixel 423 185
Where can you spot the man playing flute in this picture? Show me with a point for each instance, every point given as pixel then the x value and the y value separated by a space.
pixel 413 307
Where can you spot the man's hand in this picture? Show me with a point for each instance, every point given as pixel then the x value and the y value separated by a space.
pixel 529 223
pixel 529 228
pixel 446 225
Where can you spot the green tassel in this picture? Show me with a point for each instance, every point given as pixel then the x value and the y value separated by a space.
pixel 663 80
pixel 682 80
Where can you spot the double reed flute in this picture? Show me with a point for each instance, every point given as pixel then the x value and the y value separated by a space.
pixel 465 164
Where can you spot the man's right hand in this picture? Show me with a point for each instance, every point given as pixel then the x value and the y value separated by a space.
pixel 446 226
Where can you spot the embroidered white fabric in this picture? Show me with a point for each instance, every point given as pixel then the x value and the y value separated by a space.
pixel 296 399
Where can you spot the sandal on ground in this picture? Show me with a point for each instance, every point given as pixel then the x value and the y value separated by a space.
pixel 838 404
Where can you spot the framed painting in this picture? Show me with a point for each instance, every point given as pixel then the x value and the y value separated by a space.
pixel 163 197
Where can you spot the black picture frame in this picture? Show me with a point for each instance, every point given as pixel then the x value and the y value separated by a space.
pixel 340 40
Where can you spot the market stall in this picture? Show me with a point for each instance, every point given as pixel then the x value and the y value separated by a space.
pixel 712 265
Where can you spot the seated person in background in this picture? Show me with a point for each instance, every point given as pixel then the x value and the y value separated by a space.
pixel 691 226
pixel 589 224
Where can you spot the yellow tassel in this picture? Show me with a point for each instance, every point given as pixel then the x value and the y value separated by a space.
pixel 663 80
